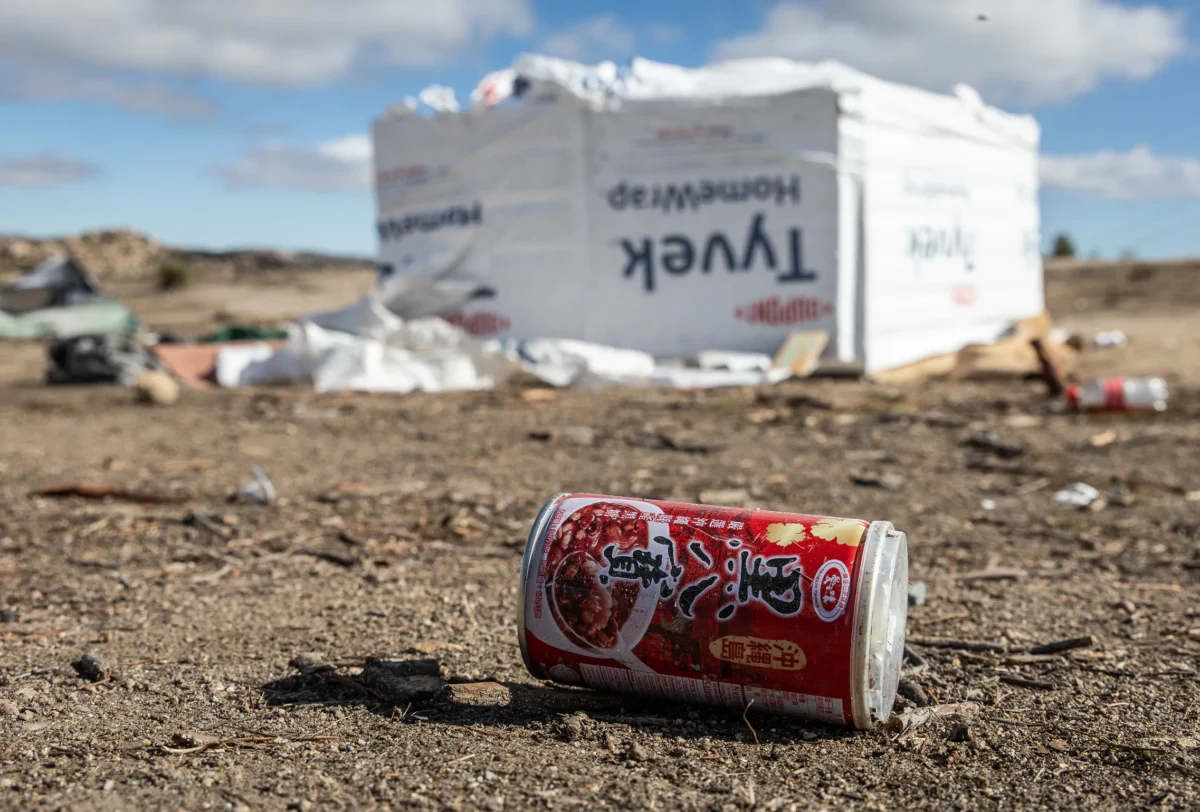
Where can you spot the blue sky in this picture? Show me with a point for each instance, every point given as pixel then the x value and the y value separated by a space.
pixel 224 123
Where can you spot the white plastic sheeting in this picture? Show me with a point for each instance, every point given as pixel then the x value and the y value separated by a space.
pixel 674 210
pixel 367 348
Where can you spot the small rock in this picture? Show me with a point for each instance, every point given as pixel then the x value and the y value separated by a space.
pixel 156 388
pixel 579 435
pixel 913 692
pixel 538 395
pixel 479 693
pixel 1059 745
pixel 988 504
pixel 993 445
pixel 89 668
pixel 403 682
pixel 574 727
pixel 888 482
pixel 960 732
pixel 1104 438
pixel 310 662
pixel 1022 421
pixel 939 420
pixel 636 752
pixel 1120 496
pixel 916 593
pixel 9 616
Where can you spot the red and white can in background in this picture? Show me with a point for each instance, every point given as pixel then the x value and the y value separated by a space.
pixel 782 612
pixel 1120 395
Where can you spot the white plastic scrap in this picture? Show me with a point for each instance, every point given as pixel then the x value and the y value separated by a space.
pixel 1109 338
pixel 1077 494
pixel 261 490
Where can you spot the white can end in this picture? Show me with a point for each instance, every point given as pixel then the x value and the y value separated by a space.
pixel 880 623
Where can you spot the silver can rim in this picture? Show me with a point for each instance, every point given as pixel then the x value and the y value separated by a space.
pixel 871 552
pixel 536 532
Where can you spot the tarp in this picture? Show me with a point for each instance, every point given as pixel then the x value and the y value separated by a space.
pixel 59 299
pixel 57 282
pixel 674 210
pixel 366 347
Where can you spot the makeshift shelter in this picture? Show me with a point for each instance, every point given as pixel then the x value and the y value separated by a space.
pixel 60 299
pixel 674 210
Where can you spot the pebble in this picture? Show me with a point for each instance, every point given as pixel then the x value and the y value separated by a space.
pixel 916 593
pixel 89 667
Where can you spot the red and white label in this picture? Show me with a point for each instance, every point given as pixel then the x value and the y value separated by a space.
pixel 706 604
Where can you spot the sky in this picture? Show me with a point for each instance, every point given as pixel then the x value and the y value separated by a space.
pixel 233 123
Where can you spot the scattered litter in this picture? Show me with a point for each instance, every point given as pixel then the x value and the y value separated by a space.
pixel 1104 438
pixel 1120 395
pixel 916 593
pixel 1109 338
pixel 87 359
pixel 1077 494
pixel 1058 745
pixel 87 491
pixel 89 668
pixel 261 490
pixel 993 445
pixel 156 388
pixel 733 361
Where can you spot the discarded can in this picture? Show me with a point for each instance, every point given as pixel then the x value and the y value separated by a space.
pixel 1120 395
pixel 781 612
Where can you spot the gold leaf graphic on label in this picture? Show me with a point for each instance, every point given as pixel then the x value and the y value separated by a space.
pixel 785 534
pixel 782 655
pixel 843 531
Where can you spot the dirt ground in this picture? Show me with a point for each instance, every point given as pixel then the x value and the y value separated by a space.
pixel 398 532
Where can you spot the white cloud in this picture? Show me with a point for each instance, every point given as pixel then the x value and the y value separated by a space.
pixel 1134 175
pixel 598 38
pixel 40 171
pixel 301 42
pixel 138 97
pixel 340 165
pixel 1027 51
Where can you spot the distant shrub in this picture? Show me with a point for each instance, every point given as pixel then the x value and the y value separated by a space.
pixel 173 275
pixel 1063 246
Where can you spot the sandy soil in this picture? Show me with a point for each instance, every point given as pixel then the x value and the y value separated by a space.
pixel 398 533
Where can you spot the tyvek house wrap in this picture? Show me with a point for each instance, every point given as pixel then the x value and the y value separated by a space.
pixel 676 210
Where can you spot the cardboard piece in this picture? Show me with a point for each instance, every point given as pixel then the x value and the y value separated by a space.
pixel 801 352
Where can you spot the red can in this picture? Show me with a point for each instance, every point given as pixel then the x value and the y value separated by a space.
pixel 782 612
